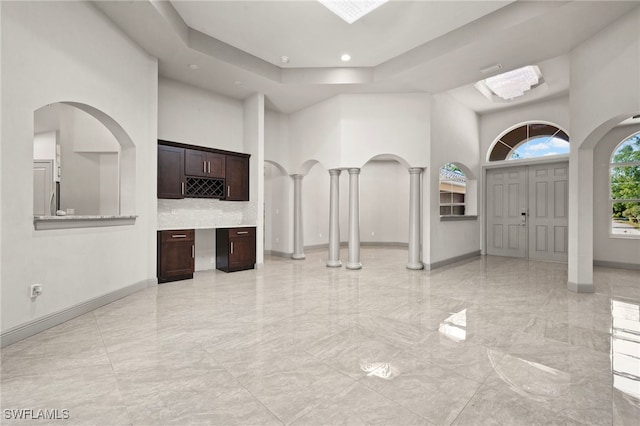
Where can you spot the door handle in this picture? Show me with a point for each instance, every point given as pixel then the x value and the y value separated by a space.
pixel 523 218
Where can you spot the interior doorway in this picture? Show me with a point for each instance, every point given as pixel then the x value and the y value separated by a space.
pixel 527 211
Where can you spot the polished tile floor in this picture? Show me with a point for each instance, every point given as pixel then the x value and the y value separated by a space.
pixel 489 340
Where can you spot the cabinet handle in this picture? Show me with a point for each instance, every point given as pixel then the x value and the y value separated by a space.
pixel 209 166
pixel 182 187
pixel 179 236
pixel 231 247
pixel 242 232
pixel 204 167
pixel 228 191
pixel 193 251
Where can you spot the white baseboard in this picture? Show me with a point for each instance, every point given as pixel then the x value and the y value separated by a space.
pixel 451 260
pixel 38 325
pixel 617 265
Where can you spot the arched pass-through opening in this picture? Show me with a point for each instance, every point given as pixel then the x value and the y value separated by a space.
pixel 84 168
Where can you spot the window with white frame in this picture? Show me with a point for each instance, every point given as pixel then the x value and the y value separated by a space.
pixel 625 188
pixel 453 189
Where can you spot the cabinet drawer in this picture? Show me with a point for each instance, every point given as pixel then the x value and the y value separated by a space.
pixel 242 232
pixel 178 235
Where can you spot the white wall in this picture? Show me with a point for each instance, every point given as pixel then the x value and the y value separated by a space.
pixel 376 124
pixel 278 197
pixel 314 134
pixel 607 248
pixel 384 202
pixel 74 265
pixel 190 115
pixel 454 139
pixel 276 139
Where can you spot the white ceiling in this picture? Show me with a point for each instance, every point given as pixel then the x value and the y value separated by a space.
pixel 312 36
pixel 403 46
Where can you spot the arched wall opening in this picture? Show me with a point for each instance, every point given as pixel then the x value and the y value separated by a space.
pixel 612 246
pixel 91 159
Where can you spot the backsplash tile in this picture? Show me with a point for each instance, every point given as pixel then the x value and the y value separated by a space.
pixel 204 213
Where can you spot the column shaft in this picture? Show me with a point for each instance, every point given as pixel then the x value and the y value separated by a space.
pixel 354 220
pixel 334 220
pixel 298 241
pixel 414 219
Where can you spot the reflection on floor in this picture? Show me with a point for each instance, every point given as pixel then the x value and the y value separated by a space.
pixel 485 341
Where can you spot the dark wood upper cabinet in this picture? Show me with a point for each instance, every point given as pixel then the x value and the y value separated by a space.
pixel 203 163
pixel 170 172
pixel 237 178
pixel 198 172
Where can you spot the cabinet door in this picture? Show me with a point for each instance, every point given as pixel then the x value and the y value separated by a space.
pixel 170 172
pixel 237 178
pixel 242 252
pixel 176 259
pixel 216 165
pixel 195 163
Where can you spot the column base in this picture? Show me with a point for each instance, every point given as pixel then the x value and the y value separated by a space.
pixel 581 288
pixel 298 256
pixel 334 263
pixel 415 266
pixel 354 265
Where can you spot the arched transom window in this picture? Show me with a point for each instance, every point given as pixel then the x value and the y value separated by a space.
pixel 530 140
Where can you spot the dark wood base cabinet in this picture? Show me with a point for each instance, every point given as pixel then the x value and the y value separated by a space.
pixel 176 252
pixel 235 249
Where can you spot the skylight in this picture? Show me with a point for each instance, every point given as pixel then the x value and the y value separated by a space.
pixel 510 84
pixel 352 10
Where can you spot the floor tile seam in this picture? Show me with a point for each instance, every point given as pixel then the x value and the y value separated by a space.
pixel 482 384
pixel 113 370
pixel 362 381
pixel 240 384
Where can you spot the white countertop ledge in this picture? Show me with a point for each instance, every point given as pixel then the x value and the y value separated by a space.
pixel 81 221
pixel 216 226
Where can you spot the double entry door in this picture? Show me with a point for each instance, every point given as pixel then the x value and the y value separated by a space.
pixel 527 211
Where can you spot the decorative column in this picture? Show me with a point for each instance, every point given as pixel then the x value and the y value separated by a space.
pixel 414 218
pixel 354 220
pixel 334 220
pixel 298 241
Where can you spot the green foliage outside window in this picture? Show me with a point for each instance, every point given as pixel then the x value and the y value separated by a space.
pixel 625 181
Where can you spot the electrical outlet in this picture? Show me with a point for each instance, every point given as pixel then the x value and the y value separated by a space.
pixel 373 233
pixel 213 260
pixel 36 290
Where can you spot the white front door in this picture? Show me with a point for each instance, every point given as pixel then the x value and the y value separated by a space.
pixel 548 211
pixel 527 211
pixel 506 202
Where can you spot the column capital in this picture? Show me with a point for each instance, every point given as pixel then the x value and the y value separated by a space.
pixel 335 172
pixel 297 176
pixel 415 170
pixel 354 171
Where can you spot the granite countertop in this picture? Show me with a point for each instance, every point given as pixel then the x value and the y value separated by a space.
pixel 214 226
pixel 84 217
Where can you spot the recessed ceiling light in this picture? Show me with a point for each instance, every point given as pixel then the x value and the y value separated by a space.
pixel 352 10
pixel 510 84
pixel 345 58
pixel 237 82
pixel 284 59
pixel 193 66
